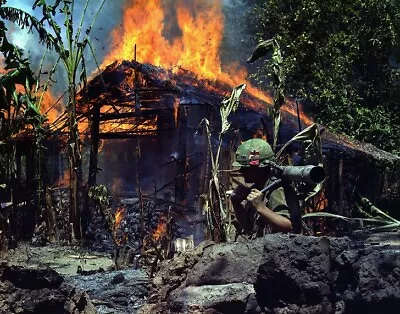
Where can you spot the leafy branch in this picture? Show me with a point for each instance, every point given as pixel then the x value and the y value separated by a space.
pixel 271 46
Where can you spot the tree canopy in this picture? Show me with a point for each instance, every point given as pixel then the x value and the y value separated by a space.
pixel 341 58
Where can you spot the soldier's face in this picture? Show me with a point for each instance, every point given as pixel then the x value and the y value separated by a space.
pixel 255 174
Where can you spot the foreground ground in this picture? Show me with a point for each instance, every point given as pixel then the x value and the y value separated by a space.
pixel 109 290
pixel 275 274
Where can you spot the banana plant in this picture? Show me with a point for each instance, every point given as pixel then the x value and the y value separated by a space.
pixel 12 104
pixel 70 43
pixel 373 219
pixel 266 47
pixel 19 107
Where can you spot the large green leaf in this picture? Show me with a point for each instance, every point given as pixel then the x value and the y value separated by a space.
pixel 310 152
pixel 263 48
pixel 230 105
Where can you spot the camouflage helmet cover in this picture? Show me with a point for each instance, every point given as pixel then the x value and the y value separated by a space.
pixel 254 152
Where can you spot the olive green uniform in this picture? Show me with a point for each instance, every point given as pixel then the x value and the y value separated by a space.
pixel 257 152
pixel 277 200
pixel 258 226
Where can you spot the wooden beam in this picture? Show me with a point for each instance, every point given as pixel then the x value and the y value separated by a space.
pixel 122 115
pixel 181 164
pixel 121 135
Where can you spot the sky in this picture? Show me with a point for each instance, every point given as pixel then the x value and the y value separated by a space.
pixel 109 16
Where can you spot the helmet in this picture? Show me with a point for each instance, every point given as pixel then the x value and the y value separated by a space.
pixel 253 152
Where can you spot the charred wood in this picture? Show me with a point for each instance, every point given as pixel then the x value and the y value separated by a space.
pixel 122 115
pixel 54 234
pixel 94 147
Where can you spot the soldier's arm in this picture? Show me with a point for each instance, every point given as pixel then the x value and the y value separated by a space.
pixel 242 216
pixel 277 222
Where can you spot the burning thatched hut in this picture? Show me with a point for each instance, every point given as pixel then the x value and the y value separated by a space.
pixel 131 103
pixel 143 134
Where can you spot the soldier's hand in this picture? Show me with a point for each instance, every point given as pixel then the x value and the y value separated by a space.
pixel 255 198
pixel 240 193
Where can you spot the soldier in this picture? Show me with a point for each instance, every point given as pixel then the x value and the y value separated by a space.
pixel 255 213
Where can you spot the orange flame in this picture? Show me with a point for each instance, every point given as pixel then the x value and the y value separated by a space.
pixel 119 215
pixel 48 107
pixel 321 201
pixel 116 186
pixel 64 180
pixel 161 229
pixel 196 48
pixel 2 65
pixel 317 203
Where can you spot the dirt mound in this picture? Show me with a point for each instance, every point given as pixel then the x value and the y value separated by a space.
pixel 281 274
pixel 39 291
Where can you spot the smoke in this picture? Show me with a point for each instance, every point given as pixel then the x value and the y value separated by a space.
pixel 171 29
pixel 108 17
pixel 237 44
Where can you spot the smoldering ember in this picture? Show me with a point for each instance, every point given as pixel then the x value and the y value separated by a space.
pixel 184 157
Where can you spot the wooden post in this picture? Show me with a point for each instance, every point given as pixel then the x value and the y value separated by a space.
pixel 139 191
pixel 181 163
pixel 137 103
pixel 54 234
pixel 94 146
pixel 206 172
pixel 18 158
pixel 138 156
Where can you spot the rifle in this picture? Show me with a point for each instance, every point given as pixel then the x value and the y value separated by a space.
pixel 308 174
pixel 286 174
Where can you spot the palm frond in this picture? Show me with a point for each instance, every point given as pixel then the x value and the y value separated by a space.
pixel 94 20
pixel 78 33
pixel 230 105
pixel 325 215
pixel 387 227
pixel 25 20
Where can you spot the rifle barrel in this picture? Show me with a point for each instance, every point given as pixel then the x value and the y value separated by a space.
pixel 308 174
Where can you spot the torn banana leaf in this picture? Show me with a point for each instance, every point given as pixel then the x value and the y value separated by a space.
pixel 230 105
pixel 310 152
pixel 262 49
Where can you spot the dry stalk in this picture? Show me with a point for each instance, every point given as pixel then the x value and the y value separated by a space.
pixel 216 211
